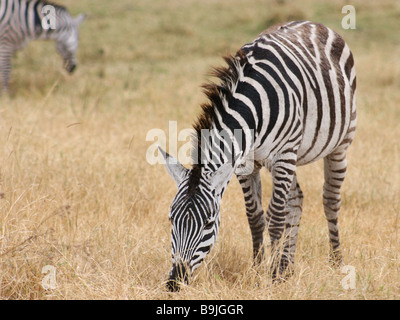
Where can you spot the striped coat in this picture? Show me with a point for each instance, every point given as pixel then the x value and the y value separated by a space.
pixel 291 94
pixel 22 21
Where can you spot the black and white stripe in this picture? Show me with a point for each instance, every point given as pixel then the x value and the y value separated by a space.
pixel 291 92
pixel 21 21
pixel 188 219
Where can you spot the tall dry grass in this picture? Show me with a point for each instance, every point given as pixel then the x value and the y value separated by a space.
pixel 77 193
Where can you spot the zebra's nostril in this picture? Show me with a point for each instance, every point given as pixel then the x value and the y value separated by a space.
pixel 177 275
pixel 173 285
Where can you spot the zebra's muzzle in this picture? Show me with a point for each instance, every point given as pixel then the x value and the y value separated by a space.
pixel 71 67
pixel 177 275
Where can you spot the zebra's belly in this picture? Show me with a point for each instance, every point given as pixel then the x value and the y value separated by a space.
pixel 315 144
pixel 305 156
pixel 318 141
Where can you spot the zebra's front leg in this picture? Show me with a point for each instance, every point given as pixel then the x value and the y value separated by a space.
pixel 283 175
pixel 251 186
pixel 294 208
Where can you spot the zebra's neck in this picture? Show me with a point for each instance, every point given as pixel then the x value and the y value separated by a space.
pixel 46 20
pixel 221 134
pixel 216 147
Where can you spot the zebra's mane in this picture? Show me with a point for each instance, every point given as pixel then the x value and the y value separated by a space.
pixel 216 94
pixel 55 5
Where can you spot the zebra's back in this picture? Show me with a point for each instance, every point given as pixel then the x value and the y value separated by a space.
pixel 306 73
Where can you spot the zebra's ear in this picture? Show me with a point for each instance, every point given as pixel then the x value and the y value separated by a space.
pixel 220 178
pixel 176 170
pixel 79 19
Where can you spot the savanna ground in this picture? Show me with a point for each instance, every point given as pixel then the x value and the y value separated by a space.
pixel 78 194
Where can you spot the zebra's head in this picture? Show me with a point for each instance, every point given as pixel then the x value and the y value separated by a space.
pixel 194 216
pixel 67 42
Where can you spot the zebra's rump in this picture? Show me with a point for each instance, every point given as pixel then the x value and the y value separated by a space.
pixel 305 81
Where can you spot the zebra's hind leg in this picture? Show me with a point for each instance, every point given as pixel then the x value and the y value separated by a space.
pixel 335 166
pixel 251 186
pixel 5 66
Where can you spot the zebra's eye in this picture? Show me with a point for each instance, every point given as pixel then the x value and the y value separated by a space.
pixel 209 225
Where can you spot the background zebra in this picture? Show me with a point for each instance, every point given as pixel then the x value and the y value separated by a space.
pixel 292 92
pixel 21 21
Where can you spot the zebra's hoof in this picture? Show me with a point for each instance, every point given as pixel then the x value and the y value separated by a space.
pixel 336 258
pixel 282 272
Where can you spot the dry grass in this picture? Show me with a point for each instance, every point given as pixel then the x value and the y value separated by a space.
pixel 77 193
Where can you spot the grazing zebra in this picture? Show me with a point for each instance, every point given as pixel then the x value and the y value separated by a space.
pixel 21 21
pixel 291 92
